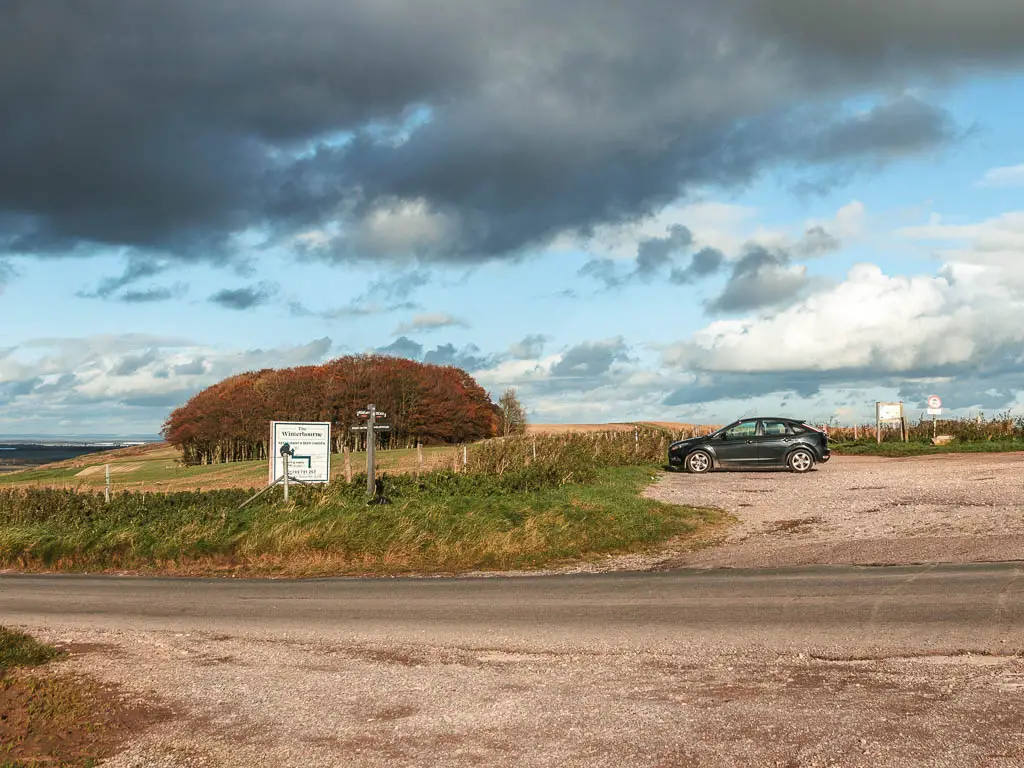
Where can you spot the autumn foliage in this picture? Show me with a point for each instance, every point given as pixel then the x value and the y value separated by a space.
pixel 230 421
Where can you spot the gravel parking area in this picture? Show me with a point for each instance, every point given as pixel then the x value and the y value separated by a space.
pixel 862 510
pixel 272 701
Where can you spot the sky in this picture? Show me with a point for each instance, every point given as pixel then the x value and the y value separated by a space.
pixel 675 211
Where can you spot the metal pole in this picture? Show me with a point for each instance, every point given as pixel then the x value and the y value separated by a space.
pixel 106 492
pixel 371 466
pixel 933 426
pixel 285 458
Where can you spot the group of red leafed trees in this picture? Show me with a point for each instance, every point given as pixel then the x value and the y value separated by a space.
pixel 230 421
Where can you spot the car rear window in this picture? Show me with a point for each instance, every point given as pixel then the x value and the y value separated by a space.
pixel 775 427
pixel 798 429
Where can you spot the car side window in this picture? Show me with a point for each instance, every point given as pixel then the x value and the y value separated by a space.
pixel 743 429
pixel 775 428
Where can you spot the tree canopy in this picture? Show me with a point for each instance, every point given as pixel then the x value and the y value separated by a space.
pixel 230 421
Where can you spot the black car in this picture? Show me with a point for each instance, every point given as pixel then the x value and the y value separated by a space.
pixel 751 443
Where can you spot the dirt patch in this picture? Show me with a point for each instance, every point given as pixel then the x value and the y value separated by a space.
pixel 794 526
pixel 66 719
pixel 953 508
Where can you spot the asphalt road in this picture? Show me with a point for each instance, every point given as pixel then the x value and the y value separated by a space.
pixel 849 610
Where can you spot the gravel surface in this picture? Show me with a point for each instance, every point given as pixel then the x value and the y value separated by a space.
pixel 287 698
pixel 258 701
pixel 953 508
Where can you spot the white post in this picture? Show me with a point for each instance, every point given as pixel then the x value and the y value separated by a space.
pixel 535 449
pixel 636 439
pixel 419 458
pixel 106 492
pixel 465 458
pixel 284 458
pixel 348 464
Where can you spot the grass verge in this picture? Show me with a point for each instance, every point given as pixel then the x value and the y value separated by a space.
pixel 896 449
pixel 53 719
pixel 446 523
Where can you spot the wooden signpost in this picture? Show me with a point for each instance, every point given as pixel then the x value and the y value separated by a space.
pixel 371 414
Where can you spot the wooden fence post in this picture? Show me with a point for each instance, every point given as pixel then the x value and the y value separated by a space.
pixel 419 459
pixel 348 464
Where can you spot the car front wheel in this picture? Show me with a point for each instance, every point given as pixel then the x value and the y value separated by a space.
pixel 698 462
pixel 801 461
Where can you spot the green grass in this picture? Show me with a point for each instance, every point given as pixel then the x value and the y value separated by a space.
pixel 916 448
pixel 161 470
pixel 20 650
pixel 446 523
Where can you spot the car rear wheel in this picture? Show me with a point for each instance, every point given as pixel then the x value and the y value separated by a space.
pixel 698 462
pixel 801 461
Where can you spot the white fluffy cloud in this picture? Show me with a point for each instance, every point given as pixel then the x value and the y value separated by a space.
pixel 959 325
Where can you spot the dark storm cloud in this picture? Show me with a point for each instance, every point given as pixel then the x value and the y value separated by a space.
pixel 761 278
pixel 495 126
pixel 242 298
pixel 138 268
pixel 605 271
pixel 653 254
pixel 704 263
pixel 6 274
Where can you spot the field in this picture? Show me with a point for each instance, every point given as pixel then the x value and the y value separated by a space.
pixel 157 467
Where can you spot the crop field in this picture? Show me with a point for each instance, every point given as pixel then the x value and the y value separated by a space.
pixel 158 468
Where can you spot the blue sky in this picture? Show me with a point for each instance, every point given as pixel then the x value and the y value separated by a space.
pixel 861 237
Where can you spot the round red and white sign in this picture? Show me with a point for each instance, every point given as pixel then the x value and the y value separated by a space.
pixel 934 402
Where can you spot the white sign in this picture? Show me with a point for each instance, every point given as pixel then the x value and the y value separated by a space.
pixel 309 450
pixel 889 411
pixel 934 402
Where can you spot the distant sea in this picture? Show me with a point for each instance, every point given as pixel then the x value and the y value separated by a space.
pixel 21 451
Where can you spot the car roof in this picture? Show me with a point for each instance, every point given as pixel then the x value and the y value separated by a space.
pixel 789 419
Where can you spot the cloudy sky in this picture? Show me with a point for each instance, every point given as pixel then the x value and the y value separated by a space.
pixel 686 211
